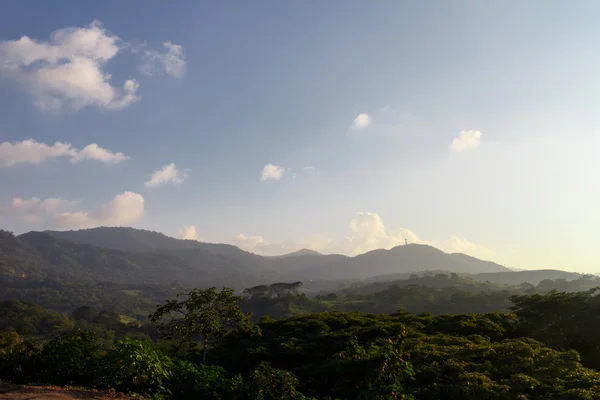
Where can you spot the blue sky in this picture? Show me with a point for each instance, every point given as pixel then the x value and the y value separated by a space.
pixel 370 96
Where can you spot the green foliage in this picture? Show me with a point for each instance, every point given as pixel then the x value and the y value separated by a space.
pixel 351 355
pixel 331 355
pixel 28 318
pixel 563 321
pixel 66 295
pixel 70 359
pixel 190 382
pixel 204 316
pixel 138 367
pixel 376 371
pixel 18 358
pixel 268 383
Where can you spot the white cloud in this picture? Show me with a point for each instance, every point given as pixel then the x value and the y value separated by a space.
pixel 52 204
pixel 20 205
pixel 272 172
pixel 309 169
pixel 172 61
pixel 367 233
pixel 32 152
pixel 361 121
pixel 167 174
pixel 68 70
pixel 95 152
pixel 35 204
pixel 125 209
pixel 188 233
pixel 466 140
pixel 258 245
pixel 462 245
pixel 249 242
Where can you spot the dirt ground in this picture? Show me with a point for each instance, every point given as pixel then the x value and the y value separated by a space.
pixel 56 393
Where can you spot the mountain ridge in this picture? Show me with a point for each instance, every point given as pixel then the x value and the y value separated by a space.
pixel 161 259
pixel 305 263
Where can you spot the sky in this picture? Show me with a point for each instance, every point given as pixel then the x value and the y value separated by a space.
pixel 340 126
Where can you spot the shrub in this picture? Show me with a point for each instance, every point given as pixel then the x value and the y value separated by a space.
pixel 268 383
pixel 18 358
pixel 191 381
pixel 136 367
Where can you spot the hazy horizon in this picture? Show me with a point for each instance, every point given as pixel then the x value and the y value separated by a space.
pixel 337 127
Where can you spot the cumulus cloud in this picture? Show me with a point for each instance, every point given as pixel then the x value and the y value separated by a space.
pixel 361 121
pixel 171 61
pixel 257 244
pixel 125 209
pixel 466 140
pixel 166 174
pixel 32 152
pixel 52 204
pixel 462 245
pixel 367 232
pixel 188 233
pixel 249 242
pixel 272 172
pixel 95 152
pixel 36 204
pixel 68 69
pixel 19 204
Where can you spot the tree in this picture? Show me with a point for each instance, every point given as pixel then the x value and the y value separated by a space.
pixel 282 288
pixel 137 366
pixel 70 359
pixel 259 291
pixel 205 316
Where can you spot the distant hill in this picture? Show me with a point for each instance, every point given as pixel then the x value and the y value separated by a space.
pixel 400 259
pixel 477 264
pixel 138 240
pixel 42 256
pixel 533 276
pixel 301 252
pixel 127 255
pixel 305 264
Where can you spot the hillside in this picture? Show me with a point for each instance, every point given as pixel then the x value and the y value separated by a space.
pixel 41 256
pixel 305 264
pixel 533 277
pixel 301 252
pixel 400 259
pixel 101 255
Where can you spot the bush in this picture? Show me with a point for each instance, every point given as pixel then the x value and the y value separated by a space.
pixel 136 367
pixel 18 358
pixel 268 383
pixel 70 359
pixel 191 381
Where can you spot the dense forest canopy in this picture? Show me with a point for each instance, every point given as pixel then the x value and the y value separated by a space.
pixel 78 314
pixel 530 353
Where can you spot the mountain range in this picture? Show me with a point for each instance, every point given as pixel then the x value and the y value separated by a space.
pixel 127 255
